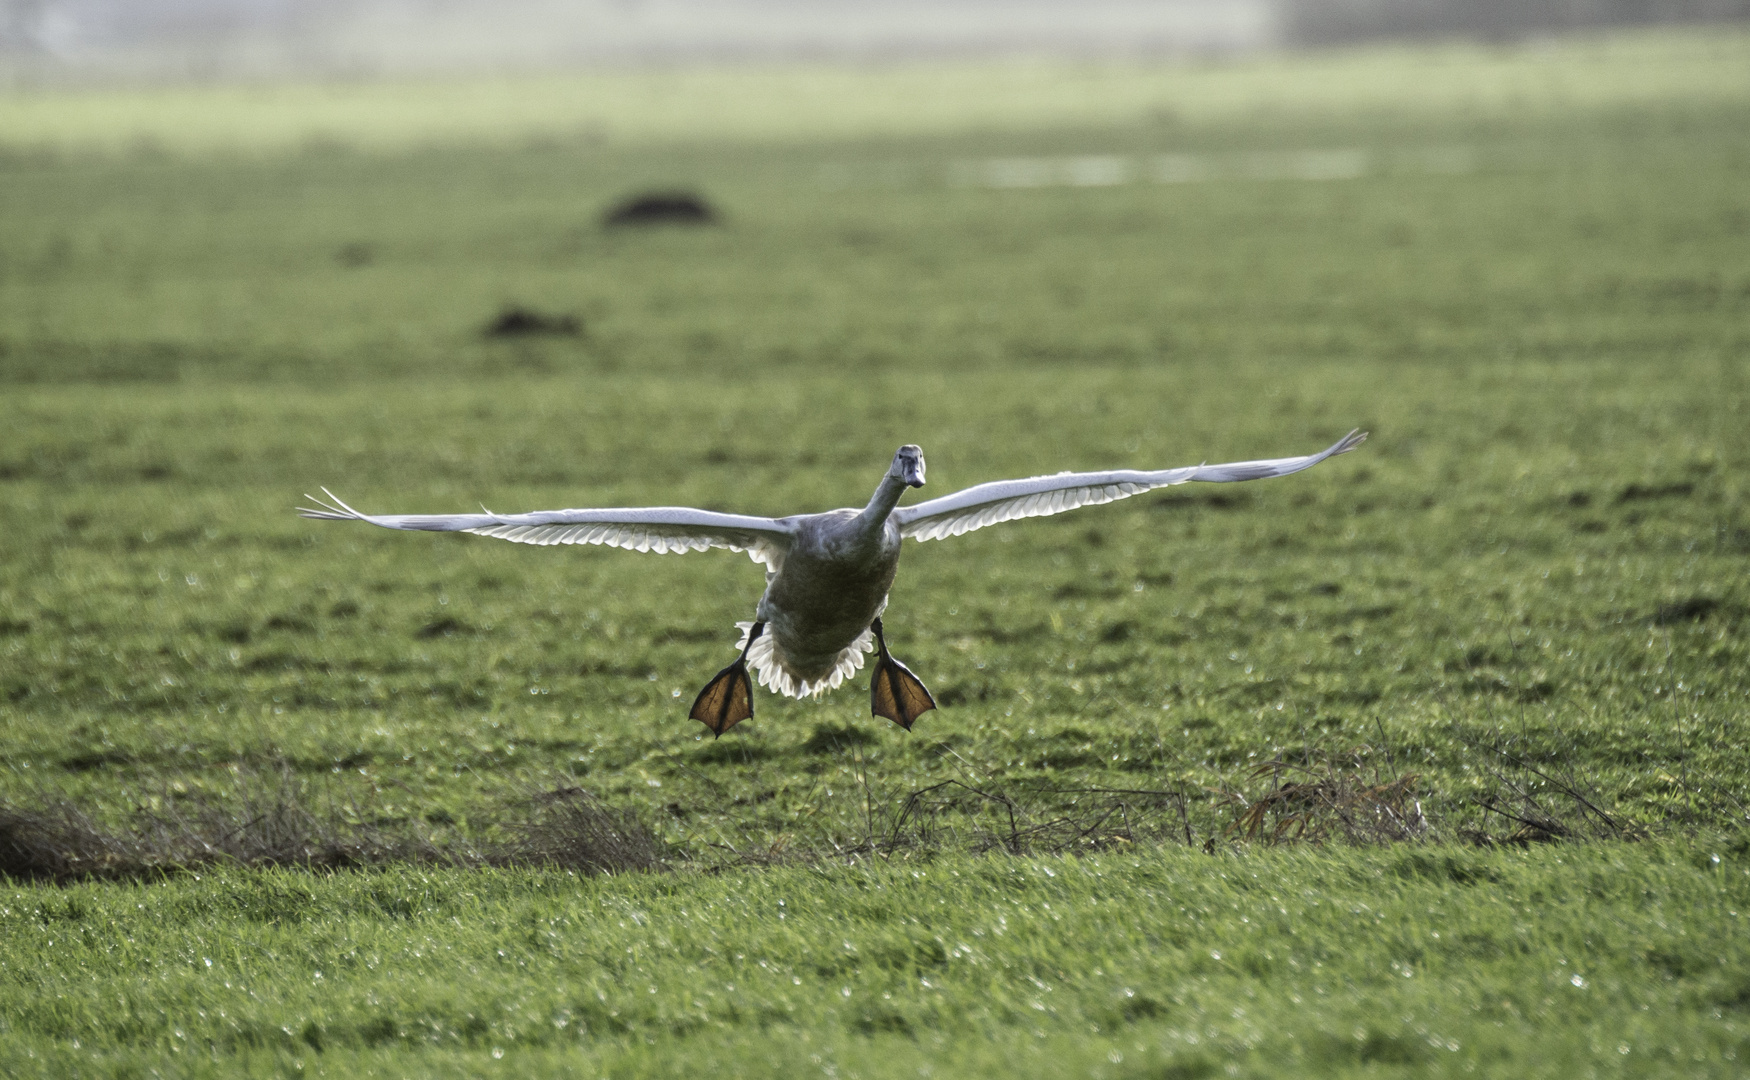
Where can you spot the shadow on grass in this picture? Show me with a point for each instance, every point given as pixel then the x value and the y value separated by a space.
pixel 1357 797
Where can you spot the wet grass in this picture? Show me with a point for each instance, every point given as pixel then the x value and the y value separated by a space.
pixel 1514 616
pixel 1404 961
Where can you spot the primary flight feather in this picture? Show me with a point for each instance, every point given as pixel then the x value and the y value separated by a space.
pixel 827 574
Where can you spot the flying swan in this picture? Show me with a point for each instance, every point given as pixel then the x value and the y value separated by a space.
pixel 827 575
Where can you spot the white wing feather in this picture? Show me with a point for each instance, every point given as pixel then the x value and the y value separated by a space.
pixel 661 529
pixel 1006 500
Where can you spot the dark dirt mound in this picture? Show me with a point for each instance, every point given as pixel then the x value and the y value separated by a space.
pixel 355 255
pixel 661 208
pixel 442 628
pixel 521 322
pixel 1691 609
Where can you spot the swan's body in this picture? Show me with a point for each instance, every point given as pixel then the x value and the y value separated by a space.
pixel 828 574
pixel 819 609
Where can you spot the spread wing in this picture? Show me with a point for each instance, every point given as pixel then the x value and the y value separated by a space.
pixel 1006 500
pixel 651 528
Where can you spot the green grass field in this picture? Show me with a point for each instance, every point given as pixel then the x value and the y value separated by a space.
pixel 1522 601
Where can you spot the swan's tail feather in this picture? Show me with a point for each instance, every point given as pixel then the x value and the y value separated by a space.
pixel 763 658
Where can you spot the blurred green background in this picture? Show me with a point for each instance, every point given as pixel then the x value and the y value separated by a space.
pixel 1521 267
pixel 1534 299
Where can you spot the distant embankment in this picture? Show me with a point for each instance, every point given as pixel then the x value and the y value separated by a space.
pixel 1337 22
pixel 82 42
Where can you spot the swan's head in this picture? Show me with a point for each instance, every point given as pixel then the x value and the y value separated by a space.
pixel 908 466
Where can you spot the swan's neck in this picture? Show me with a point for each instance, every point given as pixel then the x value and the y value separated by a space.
pixel 886 497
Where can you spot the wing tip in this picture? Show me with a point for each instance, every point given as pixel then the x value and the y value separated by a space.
pixel 329 509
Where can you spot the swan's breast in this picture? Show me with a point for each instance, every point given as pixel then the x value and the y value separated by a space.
pixel 831 587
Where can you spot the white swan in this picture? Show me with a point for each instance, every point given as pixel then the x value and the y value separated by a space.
pixel 827 575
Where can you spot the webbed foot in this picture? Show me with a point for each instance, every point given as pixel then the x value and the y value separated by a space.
pixel 727 699
pixel 894 692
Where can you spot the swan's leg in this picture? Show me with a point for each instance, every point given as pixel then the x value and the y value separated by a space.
pixel 894 692
pixel 727 699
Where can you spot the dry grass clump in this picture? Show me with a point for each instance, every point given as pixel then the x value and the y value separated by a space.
pixel 1028 819
pixel 1326 799
pixel 60 842
pixel 1528 801
pixel 1355 799
pixel 268 822
pixel 572 829
pixel 275 821
pixel 1359 797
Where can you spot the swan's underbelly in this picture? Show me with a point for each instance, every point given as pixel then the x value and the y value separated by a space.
pixel 817 608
